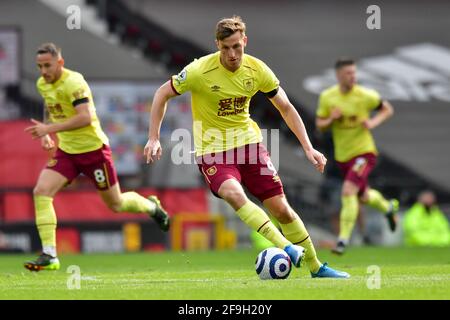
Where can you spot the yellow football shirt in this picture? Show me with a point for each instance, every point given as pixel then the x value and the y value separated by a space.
pixel 221 100
pixel 350 137
pixel 59 98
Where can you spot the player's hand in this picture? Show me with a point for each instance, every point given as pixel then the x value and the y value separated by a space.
pixel 39 129
pixel 336 113
pixel 317 159
pixel 152 150
pixel 47 143
pixel 368 124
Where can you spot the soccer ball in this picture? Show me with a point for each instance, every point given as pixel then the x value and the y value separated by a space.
pixel 273 263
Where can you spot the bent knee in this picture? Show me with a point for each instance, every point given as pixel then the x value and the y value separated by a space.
pixel 114 206
pixel 347 193
pixel 233 195
pixel 283 213
pixel 364 198
pixel 41 190
pixel 349 189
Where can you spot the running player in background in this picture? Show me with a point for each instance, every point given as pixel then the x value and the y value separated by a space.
pixel 228 143
pixel 82 148
pixel 346 108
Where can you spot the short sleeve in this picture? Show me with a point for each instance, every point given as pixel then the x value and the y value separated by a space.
pixel 269 81
pixel 322 110
pixel 78 90
pixel 183 81
pixel 373 99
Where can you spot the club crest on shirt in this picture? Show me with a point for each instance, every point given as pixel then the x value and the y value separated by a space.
pixel 249 84
pixel 59 95
pixel 211 171
pixel 78 94
pixel 51 163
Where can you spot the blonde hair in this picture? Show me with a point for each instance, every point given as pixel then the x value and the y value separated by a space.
pixel 229 26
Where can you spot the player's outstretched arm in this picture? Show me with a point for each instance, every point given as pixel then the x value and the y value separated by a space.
pixel 83 118
pixel 295 123
pixel 152 150
pixel 385 112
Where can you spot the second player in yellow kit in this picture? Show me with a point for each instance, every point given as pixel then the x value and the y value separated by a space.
pixel 350 137
pixel 82 148
pixel 61 98
pixel 346 109
pixel 222 85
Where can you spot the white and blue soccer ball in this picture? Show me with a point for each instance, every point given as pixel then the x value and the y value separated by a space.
pixel 273 263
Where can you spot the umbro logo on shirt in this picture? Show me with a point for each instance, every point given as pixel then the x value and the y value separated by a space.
pixel 215 88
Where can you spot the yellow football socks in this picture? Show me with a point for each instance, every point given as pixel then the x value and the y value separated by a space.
pixel 377 201
pixel 296 232
pixel 349 213
pixel 257 219
pixel 134 203
pixel 46 222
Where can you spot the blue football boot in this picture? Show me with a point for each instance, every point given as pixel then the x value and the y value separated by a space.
pixel 296 253
pixel 326 272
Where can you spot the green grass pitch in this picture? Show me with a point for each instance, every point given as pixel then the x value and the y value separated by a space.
pixel 406 273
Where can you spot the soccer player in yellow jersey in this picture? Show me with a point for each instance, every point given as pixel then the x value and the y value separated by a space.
pixel 346 109
pixel 230 154
pixel 82 148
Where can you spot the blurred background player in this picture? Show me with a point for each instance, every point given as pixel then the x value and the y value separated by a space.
pixel 424 224
pixel 82 148
pixel 346 108
pixel 222 85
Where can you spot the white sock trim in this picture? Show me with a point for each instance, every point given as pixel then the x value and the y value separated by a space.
pixel 50 250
